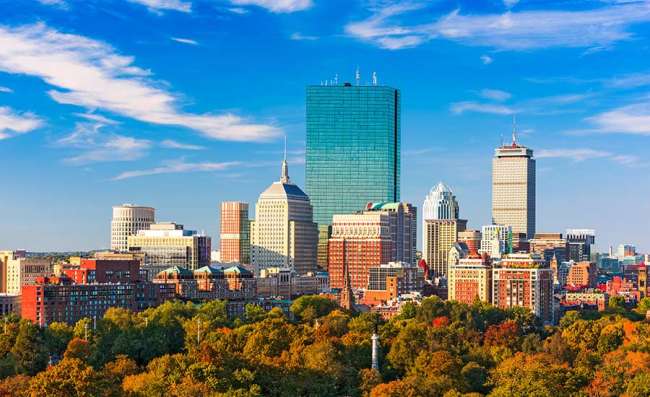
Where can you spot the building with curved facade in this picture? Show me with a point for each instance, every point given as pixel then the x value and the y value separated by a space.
pixel 127 220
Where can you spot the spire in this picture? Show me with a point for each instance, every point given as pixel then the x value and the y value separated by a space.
pixel 514 130
pixel 284 176
pixel 347 296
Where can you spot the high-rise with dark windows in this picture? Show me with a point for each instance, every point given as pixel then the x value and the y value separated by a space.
pixel 352 151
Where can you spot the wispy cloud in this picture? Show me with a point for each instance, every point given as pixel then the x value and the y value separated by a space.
pixel 510 3
pixel 6 90
pixel 56 3
pixel 176 167
pixel 96 117
pixel 486 59
pixel 93 146
pixel 631 119
pixel 93 75
pixel 238 10
pixel 495 95
pixel 171 144
pixel 158 6
pixel 600 27
pixel 300 37
pixel 277 6
pixel 477 107
pixel 629 81
pixel 584 154
pixel 184 41
pixel 13 123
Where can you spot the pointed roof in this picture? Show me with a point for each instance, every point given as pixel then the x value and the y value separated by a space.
pixel 237 269
pixel 181 271
pixel 215 271
pixel 441 187
pixel 284 188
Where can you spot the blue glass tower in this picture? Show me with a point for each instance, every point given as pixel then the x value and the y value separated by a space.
pixel 353 148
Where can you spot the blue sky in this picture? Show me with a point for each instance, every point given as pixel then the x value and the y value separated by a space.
pixel 181 104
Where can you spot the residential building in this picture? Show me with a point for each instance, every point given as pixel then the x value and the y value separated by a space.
pixel 549 245
pixel 5 257
pixel 9 304
pixel 524 280
pixel 127 220
pixel 472 239
pixel 513 188
pixel 285 283
pixel 579 243
pixel 359 242
pixel 234 242
pixel 457 252
pixel 496 240
pixel 582 275
pixel 382 233
pixel 284 233
pixel 23 271
pixel 410 277
pixel 169 244
pixel 439 236
pixel 590 297
pixel 104 271
pixel 470 279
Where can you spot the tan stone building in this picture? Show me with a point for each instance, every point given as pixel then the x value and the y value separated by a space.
pixel 438 237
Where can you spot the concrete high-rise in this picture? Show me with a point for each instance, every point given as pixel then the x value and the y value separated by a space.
pixel 496 240
pixel 580 242
pixel 234 242
pixel 127 220
pixel 283 233
pixel 352 151
pixel 513 188
pixel 438 237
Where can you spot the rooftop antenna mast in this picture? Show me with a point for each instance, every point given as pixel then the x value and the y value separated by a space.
pixel 357 75
pixel 336 79
pixel 374 78
pixel 285 148
pixel 514 130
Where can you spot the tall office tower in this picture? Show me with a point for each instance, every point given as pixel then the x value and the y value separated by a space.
pixel 513 188
pixel 352 151
pixel 438 237
pixel 440 203
pixel 496 240
pixel 625 250
pixel 580 242
pixel 127 220
pixel 21 270
pixel 382 233
pixel 549 246
pixel 169 244
pixel 283 233
pixel 472 239
pixel 469 279
pixel 403 225
pixel 524 280
pixel 234 243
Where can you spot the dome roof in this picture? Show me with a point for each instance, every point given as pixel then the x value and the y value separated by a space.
pixel 441 187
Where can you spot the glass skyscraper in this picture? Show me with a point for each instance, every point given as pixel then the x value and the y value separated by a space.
pixel 353 148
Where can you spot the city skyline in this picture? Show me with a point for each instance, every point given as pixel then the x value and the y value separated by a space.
pixel 73 152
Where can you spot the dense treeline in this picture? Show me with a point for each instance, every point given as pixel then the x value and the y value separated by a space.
pixel 438 348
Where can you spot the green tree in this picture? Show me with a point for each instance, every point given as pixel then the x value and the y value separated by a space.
pixel 310 307
pixel 57 336
pixel 29 350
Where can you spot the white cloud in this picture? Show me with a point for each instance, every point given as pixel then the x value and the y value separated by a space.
pixel 171 144
pixel 56 3
pixel 175 167
pixel 629 81
pixel 572 154
pixel 299 36
pixel 158 6
pixel 12 123
pixel 96 117
pixel 600 27
pixel 495 95
pixel 631 119
pixel 583 154
pixel 184 41
pixel 94 146
pixel 486 59
pixel 510 3
pixel 471 106
pixel 6 90
pixel 238 10
pixel 277 6
pixel 93 75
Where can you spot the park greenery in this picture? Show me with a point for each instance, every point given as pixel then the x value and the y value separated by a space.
pixel 437 348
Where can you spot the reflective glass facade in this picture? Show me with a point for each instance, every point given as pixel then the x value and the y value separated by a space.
pixel 353 148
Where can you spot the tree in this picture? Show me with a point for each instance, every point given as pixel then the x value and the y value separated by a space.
pixel 29 350
pixel 57 336
pixel 15 386
pixel 70 377
pixel 616 304
pixel 410 341
pixel 79 349
pixel 310 307
pixel 639 386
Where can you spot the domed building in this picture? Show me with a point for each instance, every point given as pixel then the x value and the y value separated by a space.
pixel 440 203
pixel 283 233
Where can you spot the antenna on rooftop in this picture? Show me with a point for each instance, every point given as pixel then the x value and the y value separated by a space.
pixel 514 129
pixel 374 78
pixel 285 148
pixel 357 75
pixel 336 79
